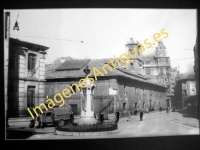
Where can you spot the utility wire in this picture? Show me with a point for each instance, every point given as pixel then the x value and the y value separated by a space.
pixel 79 41
pixel 63 39
pixel 182 59
pixel 47 38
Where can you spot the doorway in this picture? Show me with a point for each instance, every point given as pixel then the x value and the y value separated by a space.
pixel 74 108
pixel 31 96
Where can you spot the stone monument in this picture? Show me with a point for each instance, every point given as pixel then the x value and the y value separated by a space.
pixel 87 113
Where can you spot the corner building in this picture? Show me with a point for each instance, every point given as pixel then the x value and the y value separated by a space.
pixel 26 76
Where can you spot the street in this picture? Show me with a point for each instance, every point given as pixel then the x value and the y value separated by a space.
pixel 153 124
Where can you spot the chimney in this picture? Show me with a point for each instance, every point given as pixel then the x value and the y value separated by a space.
pixel 62 60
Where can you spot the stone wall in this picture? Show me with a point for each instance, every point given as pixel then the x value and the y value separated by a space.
pixel 129 91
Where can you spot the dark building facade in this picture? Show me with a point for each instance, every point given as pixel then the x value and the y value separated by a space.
pixel 185 92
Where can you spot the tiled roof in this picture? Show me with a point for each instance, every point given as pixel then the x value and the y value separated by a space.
pixel 72 64
pixel 59 74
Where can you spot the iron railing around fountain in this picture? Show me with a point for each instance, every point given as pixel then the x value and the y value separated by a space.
pixel 107 125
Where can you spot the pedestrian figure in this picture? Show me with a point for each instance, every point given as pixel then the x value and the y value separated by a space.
pixel 72 118
pixel 136 112
pixel 40 120
pixel 55 125
pixel 129 113
pixel 94 115
pixel 32 123
pixel 101 118
pixel 117 116
pixel 36 121
pixel 167 110
pixel 141 115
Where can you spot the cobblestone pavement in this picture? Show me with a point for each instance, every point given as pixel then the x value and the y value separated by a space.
pixel 155 124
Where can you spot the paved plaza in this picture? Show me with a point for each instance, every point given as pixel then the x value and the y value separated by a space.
pixel 153 124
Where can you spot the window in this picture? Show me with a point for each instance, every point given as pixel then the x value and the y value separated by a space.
pixel 48 114
pixel 167 70
pixel 147 62
pixel 31 96
pixel 135 105
pixel 143 104
pixel 140 64
pixel 144 93
pixel 31 62
pixel 136 91
pixel 73 88
pixel 148 71
pixel 161 71
pixel 161 80
pixel 124 105
pixel 151 93
pixel 124 89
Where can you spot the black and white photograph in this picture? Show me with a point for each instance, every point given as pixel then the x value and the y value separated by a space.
pixel 100 73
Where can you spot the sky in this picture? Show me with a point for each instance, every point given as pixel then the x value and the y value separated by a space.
pixel 102 33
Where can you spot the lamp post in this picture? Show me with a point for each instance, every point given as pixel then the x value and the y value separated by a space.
pixel 16 27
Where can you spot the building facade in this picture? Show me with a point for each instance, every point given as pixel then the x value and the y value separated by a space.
pixel 26 76
pixel 123 89
pixel 185 92
pixel 157 68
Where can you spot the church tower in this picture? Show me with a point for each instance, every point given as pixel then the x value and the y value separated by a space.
pixel 135 63
pixel 163 64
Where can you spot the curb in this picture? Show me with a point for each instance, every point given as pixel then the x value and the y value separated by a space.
pixel 34 131
pixel 63 133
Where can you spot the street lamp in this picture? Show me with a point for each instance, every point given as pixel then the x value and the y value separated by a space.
pixel 86 70
pixel 16 27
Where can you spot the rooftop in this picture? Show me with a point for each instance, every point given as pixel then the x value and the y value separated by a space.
pixel 28 45
pixel 74 69
pixel 72 64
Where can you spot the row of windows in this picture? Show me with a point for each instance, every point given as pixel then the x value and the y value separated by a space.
pixel 31 62
pixel 162 79
pixel 137 92
pixel 148 62
pixel 148 71
pixel 143 105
